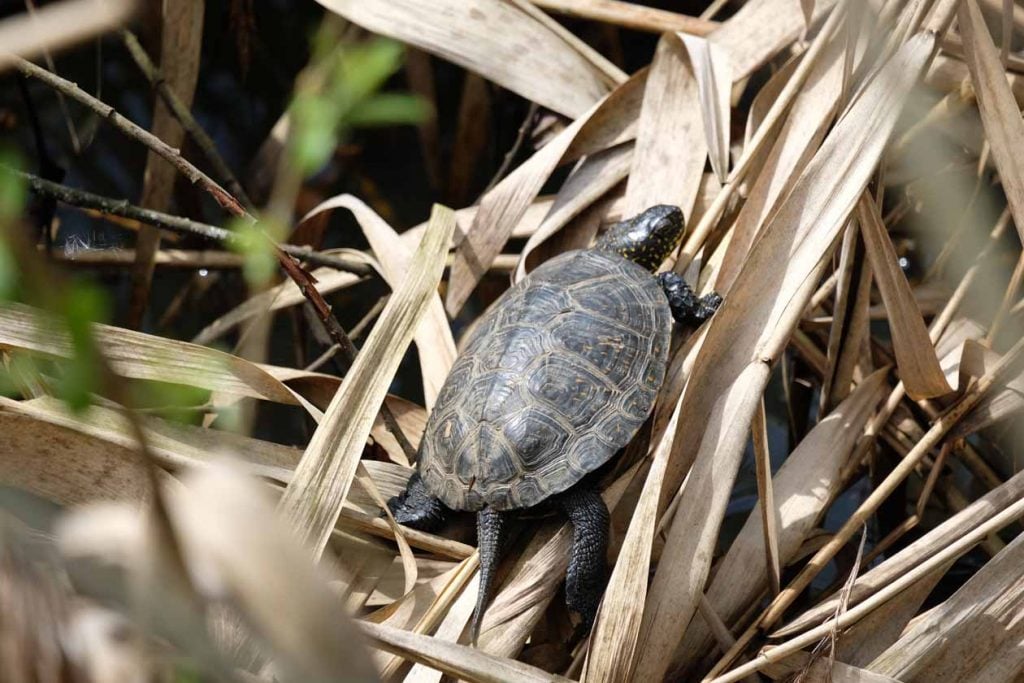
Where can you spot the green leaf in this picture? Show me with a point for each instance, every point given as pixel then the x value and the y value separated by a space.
pixel 12 189
pixel 84 304
pixel 388 109
pixel 249 240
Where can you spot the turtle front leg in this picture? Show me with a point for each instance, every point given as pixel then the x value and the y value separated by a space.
pixel 416 508
pixel 686 307
pixel 490 532
pixel 585 580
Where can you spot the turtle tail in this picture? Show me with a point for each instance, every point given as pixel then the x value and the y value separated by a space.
pixel 490 525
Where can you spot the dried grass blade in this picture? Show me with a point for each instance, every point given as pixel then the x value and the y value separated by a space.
pixel 797 140
pixel 595 176
pixel 142 356
pixel 314 498
pixel 1000 114
pixel 488 37
pixel 915 354
pixel 629 15
pixel 605 124
pixel 434 341
pixel 671 149
pixel 760 29
pixel 613 640
pixel 973 636
pixel 983 509
pixel 282 296
pixel 819 458
pixel 765 498
pixel 747 334
pixel 58 25
pixel 455 660
pixel 711 68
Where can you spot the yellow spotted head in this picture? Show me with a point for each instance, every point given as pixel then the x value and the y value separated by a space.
pixel 646 239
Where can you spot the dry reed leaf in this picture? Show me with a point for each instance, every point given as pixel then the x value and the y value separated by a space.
pixel 229 526
pixel 671 148
pixel 315 496
pixel 614 639
pixel 462 662
pixel 999 111
pixel 60 24
pixel 411 418
pixel 747 334
pixel 983 509
pixel 65 466
pixel 760 29
pixel 594 176
pixel 175 446
pixel 455 621
pixel 606 124
pixel 823 671
pixel 409 567
pixel 710 65
pixel 849 328
pixel 434 341
pixel 629 15
pixel 389 587
pixel 279 297
pixel 873 634
pixel 915 354
pixel 973 635
pixel 770 521
pixel 143 356
pixel 495 39
pixel 804 486
pixel 798 139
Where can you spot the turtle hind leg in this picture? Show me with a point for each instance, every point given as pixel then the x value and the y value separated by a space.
pixel 490 528
pixel 416 508
pixel 585 580
pixel 687 307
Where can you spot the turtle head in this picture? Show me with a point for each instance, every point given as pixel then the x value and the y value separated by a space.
pixel 646 239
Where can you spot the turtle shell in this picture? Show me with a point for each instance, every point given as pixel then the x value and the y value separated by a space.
pixel 559 374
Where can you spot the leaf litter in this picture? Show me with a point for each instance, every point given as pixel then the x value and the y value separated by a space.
pixel 894 433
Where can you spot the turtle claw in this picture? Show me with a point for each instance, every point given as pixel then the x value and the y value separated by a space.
pixel 687 307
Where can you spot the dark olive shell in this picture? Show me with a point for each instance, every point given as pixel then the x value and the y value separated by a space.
pixel 558 375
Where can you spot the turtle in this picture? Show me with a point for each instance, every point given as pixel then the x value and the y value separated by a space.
pixel 555 379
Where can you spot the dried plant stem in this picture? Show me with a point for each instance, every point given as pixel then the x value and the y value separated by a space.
pixel 108 113
pixel 119 207
pixel 884 489
pixel 890 591
pixel 183 115
pixel 629 15
pixel 710 218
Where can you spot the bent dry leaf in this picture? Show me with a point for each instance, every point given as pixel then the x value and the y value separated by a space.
pixel 607 123
pixel 915 354
pixel 999 111
pixel 434 341
pixel 714 82
pixel 455 660
pixel 866 585
pixel 973 636
pixel 315 496
pixel 143 356
pixel 746 335
pixel 671 148
pixel 493 38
